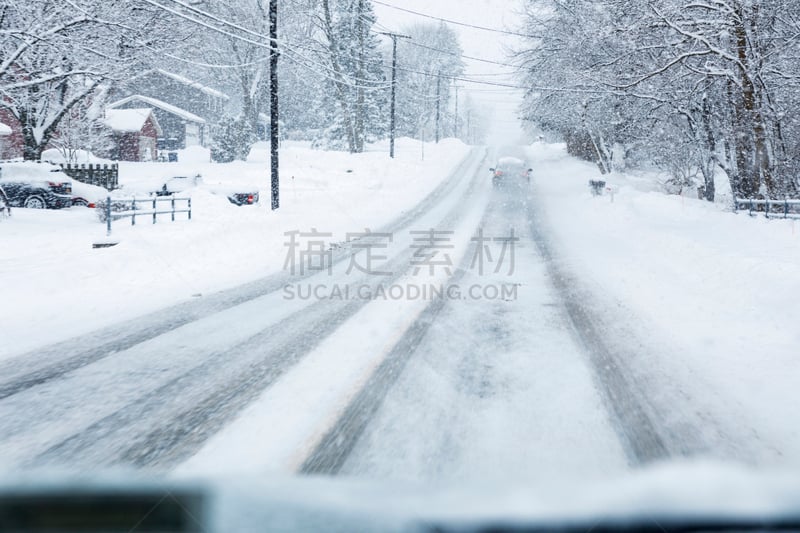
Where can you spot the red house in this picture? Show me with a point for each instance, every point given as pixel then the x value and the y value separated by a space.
pixel 135 134
pixel 11 142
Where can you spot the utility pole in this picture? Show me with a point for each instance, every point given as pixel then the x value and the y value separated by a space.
pixel 274 115
pixel 393 120
pixel 360 118
pixel 457 87
pixel 438 102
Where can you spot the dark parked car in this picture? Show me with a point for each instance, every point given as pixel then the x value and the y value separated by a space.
pixel 36 185
pixel 510 170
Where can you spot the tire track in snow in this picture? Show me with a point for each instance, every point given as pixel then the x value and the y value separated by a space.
pixel 52 362
pixel 632 417
pixel 159 430
pixel 336 445
pixel 656 415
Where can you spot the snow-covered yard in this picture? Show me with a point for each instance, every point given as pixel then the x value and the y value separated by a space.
pixel 55 285
pixel 714 295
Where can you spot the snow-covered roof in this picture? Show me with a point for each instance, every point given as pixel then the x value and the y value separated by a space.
pixel 169 108
pixel 4 130
pixel 191 83
pixel 129 120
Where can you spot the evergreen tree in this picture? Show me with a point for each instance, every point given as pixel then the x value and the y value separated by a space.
pixel 360 90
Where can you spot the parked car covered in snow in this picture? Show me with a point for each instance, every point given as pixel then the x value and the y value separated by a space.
pixel 35 185
pixel 235 195
pixel 178 184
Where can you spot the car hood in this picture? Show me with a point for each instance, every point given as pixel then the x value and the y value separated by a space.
pixel 671 497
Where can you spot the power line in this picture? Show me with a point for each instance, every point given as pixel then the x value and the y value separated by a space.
pixel 471 58
pixel 451 53
pixel 455 22
pixel 375 84
pixel 461 78
pixel 205 24
pixel 286 46
pixel 351 82
pixel 206 14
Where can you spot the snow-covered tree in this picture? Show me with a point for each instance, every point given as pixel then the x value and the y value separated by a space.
pixel 242 60
pixel 82 129
pixel 695 86
pixel 54 55
pixel 352 64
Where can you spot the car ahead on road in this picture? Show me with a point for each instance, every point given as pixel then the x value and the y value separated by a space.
pixel 510 170
pixel 36 185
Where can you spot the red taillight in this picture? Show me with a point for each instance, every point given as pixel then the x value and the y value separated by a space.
pixel 91 206
pixel 498 174
pixel 250 198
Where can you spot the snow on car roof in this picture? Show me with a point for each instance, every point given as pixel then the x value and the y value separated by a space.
pixel 510 161
pixel 31 170
pixel 127 120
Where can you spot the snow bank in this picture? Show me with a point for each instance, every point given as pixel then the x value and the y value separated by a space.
pixel 194 154
pixel 713 295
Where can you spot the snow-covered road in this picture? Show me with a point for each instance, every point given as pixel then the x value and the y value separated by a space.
pixel 514 376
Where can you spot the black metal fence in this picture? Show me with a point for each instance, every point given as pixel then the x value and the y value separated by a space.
pixel 104 175
pixel 787 208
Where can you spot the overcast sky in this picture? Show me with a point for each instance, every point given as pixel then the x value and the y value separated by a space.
pixel 501 103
